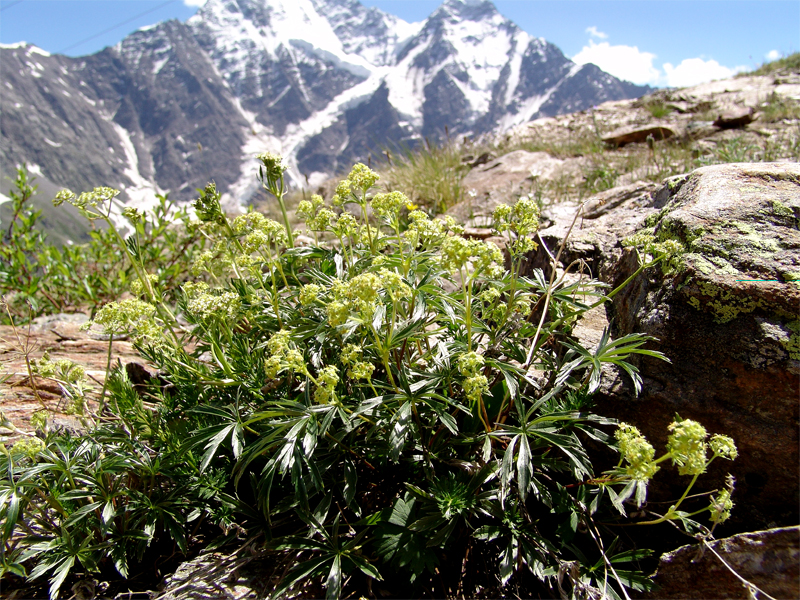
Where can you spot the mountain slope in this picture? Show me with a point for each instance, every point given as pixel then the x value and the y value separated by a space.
pixel 325 82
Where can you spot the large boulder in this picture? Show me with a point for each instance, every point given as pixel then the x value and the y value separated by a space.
pixel 729 321
pixel 769 560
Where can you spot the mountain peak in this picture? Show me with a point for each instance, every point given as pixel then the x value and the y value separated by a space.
pixel 470 10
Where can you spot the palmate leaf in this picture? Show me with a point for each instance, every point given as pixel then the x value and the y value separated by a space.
pixel 614 352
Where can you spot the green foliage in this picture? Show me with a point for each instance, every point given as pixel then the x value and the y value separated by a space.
pixel 599 178
pixel 657 108
pixel 430 175
pixel 40 278
pixel 790 62
pixel 777 108
pixel 367 409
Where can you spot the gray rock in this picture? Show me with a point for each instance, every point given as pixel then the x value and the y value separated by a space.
pixel 503 180
pixel 221 577
pixel 770 560
pixel 634 135
pixel 728 321
pixel 51 322
pixel 735 118
pixel 606 218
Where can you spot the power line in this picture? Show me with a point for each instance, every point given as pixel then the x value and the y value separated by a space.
pixel 96 35
pixel 2 8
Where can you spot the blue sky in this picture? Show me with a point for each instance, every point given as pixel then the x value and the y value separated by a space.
pixel 676 42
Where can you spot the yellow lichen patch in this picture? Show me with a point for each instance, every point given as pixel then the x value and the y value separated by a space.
pixel 760 244
pixel 792 345
pixel 710 264
pixel 723 304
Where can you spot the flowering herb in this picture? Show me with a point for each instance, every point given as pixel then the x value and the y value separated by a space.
pixel 366 407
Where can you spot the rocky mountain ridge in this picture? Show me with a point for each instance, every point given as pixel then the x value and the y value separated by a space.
pixel 324 82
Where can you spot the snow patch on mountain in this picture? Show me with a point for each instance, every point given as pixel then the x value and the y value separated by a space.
pixel 29 48
pixel 142 192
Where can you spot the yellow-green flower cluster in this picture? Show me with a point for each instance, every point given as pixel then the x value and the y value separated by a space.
pixel 723 446
pixel 351 355
pixel 207 206
pixel 97 196
pixel 28 446
pixel 362 292
pixel 283 355
pixel 272 164
pixel 62 369
pixel 521 219
pixel 669 250
pixel 327 378
pixel 687 446
pixel 322 221
pixel 345 226
pixel 342 194
pixel 39 420
pixel 307 209
pixel 125 317
pixel 205 261
pixel 133 215
pixel 637 452
pixel 492 310
pixel 475 383
pixel 458 251
pixel 259 232
pixel 363 289
pixel 137 288
pixel 522 305
pixel 393 283
pixel 721 506
pixel 312 211
pixel 309 293
pixel 206 305
pixel 362 177
pixel 338 312
pixel 389 205
pixel 429 233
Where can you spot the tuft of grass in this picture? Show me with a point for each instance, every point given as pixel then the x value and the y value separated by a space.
pixel 656 106
pixel 430 175
pixel 778 107
pixel 583 142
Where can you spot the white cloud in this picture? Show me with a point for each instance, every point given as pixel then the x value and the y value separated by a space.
pixel 693 71
pixel 626 62
pixel 773 55
pixel 194 2
pixel 631 64
pixel 592 31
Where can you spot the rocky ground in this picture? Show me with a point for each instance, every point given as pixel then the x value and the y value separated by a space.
pixel 61 337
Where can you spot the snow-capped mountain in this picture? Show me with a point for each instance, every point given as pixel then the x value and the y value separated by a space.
pixel 324 82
